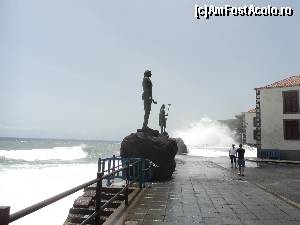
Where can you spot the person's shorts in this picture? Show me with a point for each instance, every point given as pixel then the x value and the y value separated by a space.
pixel 241 162
pixel 232 158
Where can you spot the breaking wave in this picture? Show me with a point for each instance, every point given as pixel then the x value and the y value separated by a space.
pixel 56 153
pixel 206 133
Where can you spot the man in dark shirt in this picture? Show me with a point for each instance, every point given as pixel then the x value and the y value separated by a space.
pixel 241 160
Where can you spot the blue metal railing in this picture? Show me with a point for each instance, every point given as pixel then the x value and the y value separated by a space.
pixel 140 171
pixel 270 154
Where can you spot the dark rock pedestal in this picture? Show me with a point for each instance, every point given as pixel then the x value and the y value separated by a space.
pixel 149 144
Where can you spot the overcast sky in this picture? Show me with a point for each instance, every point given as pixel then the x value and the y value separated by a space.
pixel 74 68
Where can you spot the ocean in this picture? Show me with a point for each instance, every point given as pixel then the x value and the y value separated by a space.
pixel 32 170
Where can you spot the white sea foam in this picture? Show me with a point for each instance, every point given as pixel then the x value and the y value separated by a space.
pixel 46 172
pixel 209 138
pixel 56 153
pixel 206 133
pixel 22 187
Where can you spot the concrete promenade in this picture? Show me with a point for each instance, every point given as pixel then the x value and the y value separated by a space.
pixel 281 179
pixel 203 192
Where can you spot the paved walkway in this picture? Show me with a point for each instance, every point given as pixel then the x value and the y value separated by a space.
pixel 281 179
pixel 203 192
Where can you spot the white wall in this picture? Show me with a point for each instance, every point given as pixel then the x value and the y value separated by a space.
pixel 249 127
pixel 272 134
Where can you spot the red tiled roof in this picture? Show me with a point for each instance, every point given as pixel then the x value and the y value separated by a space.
pixel 288 82
pixel 252 110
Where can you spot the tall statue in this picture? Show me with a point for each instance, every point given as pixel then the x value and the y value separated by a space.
pixel 147 97
pixel 162 119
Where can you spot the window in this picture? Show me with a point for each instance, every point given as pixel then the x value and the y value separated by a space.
pixel 255 134
pixel 290 101
pixel 254 121
pixel 291 129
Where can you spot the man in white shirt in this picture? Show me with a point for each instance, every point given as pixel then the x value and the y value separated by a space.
pixel 232 155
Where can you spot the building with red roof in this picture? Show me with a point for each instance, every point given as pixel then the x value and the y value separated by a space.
pixel 277 117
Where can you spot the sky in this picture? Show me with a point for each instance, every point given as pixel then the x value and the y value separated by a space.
pixel 74 68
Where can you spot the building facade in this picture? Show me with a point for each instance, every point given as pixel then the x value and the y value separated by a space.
pixel 250 127
pixel 278 118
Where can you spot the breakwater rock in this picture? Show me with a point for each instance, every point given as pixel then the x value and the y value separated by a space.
pixel 182 149
pixel 149 144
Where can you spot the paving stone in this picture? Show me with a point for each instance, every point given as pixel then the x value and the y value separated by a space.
pixel 252 222
pixel 174 218
pixel 201 192
pixel 154 217
pixel 133 222
pixel 271 222
pixel 135 216
pixel 291 222
pixel 246 216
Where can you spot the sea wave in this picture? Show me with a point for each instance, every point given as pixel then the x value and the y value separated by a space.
pixel 56 153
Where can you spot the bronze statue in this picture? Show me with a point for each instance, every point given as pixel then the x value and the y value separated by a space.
pixel 162 119
pixel 147 97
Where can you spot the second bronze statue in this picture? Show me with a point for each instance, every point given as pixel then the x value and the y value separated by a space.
pixel 162 119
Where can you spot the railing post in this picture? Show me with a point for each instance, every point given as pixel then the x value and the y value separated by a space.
pixel 4 215
pixel 108 171
pixel 99 165
pixel 114 164
pixel 113 167
pixel 118 160
pixel 103 166
pixel 142 172
pixel 98 198
pixel 109 165
pixel 127 183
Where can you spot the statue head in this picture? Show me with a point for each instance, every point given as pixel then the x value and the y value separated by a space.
pixel 147 73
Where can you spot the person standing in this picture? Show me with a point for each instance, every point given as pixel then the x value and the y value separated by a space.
pixel 147 97
pixel 232 156
pixel 241 160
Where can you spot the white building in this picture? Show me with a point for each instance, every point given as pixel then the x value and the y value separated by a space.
pixel 278 118
pixel 250 127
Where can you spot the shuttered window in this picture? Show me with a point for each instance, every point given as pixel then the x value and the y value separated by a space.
pixel 254 121
pixel 255 134
pixel 290 102
pixel 291 129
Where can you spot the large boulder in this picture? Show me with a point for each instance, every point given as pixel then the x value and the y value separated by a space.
pixel 149 144
pixel 182 149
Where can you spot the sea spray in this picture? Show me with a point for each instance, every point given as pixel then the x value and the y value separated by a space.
pixel 206 133
pixel 210 138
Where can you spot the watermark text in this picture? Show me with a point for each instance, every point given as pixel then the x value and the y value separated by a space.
pixel 207 11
